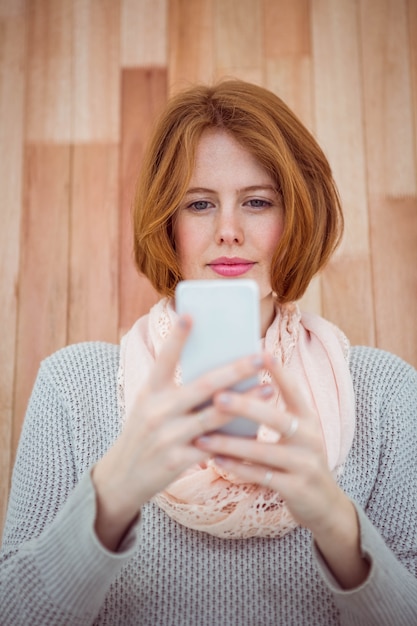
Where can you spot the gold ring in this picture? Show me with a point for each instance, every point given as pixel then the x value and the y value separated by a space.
pixel 292 429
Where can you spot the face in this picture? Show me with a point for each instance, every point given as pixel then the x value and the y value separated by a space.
pixel 231 219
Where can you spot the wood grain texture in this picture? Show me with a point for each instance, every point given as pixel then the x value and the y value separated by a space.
pixel 288 55
pixel 390 135
pixel 144 93
pixel 288 73
pixel 12 53
pixel 81 82
pixel 11 9
pixel 49 65
pixel 290 77
pixel 93 257
pixel 338 110
pixel 144 33
pixel 412 41
pixel 347 282
pixel 388 98
pixel 43 280
pixel 287 28
pixel 95 70
pixel 238 39
pixel 191 43
pixel 394 263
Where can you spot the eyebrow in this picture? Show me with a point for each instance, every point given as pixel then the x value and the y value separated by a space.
pixel 250 188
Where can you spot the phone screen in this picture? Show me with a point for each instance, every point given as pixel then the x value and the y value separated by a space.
pixel 226 327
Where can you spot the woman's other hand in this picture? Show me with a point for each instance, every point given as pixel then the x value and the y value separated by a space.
pixel 156 444
pixel 296 467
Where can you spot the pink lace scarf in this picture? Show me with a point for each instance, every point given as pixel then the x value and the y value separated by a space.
pixel 206 498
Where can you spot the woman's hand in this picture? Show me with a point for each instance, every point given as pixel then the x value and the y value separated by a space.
pixel 296 467
pixel 156 444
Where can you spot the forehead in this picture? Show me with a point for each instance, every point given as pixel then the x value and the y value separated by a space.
pixel 219 155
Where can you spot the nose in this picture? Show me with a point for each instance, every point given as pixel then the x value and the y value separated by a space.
pixel 229 229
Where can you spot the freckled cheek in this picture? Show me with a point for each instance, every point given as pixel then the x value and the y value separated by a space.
pixel 276 234
pixel 190 246
pixel 270 235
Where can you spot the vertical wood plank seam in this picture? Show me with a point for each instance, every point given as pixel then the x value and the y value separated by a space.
pixel 70 180
pixel 313 120
pixel 413 81
pixel 19 272
pixel 263 45
pixel 119 171
pixel 366 166
pixel 313 104
pixel 117 259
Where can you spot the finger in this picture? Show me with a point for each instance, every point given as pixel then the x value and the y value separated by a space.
pixel 263 475
pixel 203 389
pixel 240 449
pixel 309 497
pixel 289 388
pixel 164 469
pixel 254 408
pixel 163 371
pixel 262 392
pixel 292 430
pixel 261 456
pixel 185 429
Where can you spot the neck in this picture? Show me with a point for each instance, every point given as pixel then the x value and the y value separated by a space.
pixel 267 313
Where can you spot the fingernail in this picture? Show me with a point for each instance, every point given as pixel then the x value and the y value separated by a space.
pixel 224 398
pixel 257 361
pixel 203 440
pixel 266 391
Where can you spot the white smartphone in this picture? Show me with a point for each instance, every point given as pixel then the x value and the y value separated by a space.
pixel 226 327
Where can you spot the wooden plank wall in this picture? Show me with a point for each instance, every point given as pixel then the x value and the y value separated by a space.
pixel 80 84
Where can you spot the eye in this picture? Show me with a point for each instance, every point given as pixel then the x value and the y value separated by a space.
pixel 200 205
pixel 259 203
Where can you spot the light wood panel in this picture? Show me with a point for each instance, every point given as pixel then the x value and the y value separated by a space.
pixel 93 264
pixel 393 248
pixel 44 228
pixel 238 38
pixel 48 71
pixel 191 52
pixel 392 179
pixel 144 33
pixel 412 42
pixel 81 82
pixel 94 179
pixel 287 28
pixel 95 38
pixel 346 295
pixel 43 280
pixel 12 53
pixel 387 95
pixel 144 93
pixel 289 74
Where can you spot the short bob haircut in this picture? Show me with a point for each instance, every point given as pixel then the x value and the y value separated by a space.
pixel 263 124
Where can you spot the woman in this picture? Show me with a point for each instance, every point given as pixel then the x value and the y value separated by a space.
pixel 128 508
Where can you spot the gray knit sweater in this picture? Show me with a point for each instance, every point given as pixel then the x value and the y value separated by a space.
pixel 55 571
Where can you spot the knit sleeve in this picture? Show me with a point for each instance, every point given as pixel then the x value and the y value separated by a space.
pixel 53 570
pixel 388 529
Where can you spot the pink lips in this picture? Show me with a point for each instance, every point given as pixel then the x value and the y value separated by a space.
pixel 234 266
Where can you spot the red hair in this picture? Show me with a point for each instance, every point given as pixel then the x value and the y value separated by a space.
pixel 263 124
